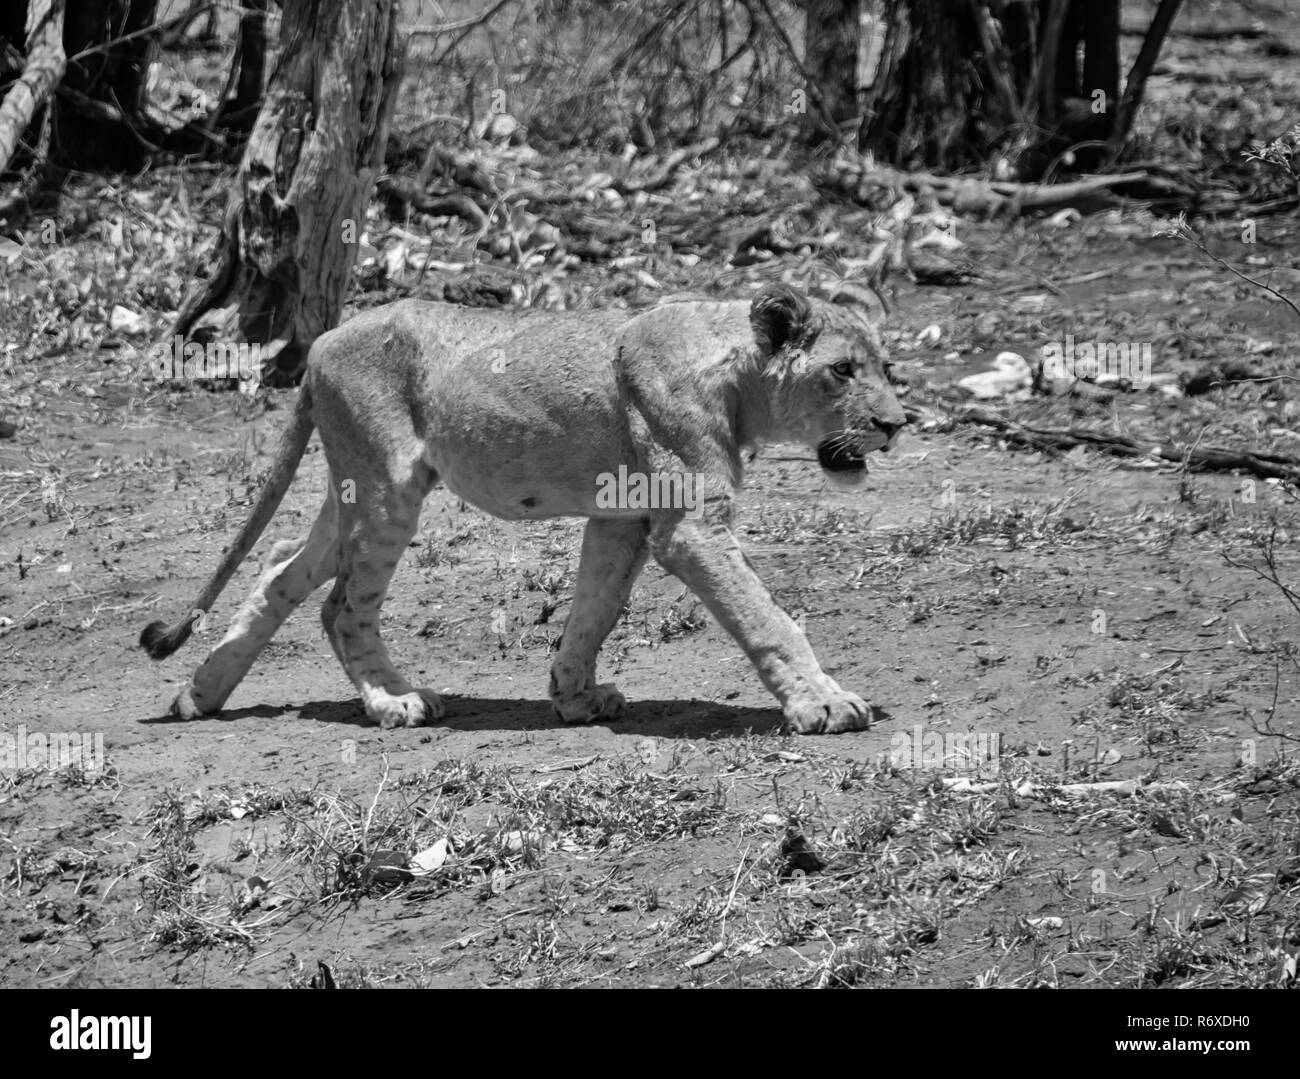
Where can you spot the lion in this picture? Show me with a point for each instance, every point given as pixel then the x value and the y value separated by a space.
pixel 527 417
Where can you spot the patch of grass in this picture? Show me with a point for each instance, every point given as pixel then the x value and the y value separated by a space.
pixel 182 912
pixel 618 807
pixel 543 580
pixel 338 840
pixel 1010 527
pixel 685 617
pixel 443 548
pixel 1154 705
pixel 806 524
pixel 70 776
pixel 862 876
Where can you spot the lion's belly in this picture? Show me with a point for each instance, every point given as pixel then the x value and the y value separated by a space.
pixel 521 455
pixel 530 425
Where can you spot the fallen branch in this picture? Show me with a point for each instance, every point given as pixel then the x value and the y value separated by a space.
pixel 438 162
pixel 965 785
pixel 401 191
pixel 658 176
pixel 1246 31
pixel 989 198
pixel 1197 458
pixel 1234 76
pixel 1213 376
pixel 44 69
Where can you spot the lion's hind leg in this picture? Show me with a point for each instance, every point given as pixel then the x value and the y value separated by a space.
pixel 374 534
pixel 613 555
pixel 296 568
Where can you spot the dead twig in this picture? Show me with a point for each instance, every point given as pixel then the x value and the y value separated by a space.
pixel 1204 459
pixel 460 24
pixel 1267 546
pixel 144 31
pixel 1183 231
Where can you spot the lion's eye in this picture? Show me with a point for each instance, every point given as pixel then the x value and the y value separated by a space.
pixel 889 370
pixel 843 369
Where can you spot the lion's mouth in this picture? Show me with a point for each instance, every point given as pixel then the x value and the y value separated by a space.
pixel 834 456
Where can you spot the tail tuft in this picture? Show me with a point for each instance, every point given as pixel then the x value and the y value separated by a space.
pixel 161 640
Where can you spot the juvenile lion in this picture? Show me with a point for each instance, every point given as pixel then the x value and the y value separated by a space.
pixel 523 416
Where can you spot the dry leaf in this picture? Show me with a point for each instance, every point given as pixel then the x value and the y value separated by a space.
pixel 430 859
pixel 707 956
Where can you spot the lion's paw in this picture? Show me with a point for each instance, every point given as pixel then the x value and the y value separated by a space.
pixel 186 707
pixel 412 709
pixel 592 704
pixel 834 713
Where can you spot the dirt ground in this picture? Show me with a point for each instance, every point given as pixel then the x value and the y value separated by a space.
pixel 1101 632
pixel 1079 609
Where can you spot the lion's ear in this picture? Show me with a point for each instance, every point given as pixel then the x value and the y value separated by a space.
pixel 780 316
pixel 864 300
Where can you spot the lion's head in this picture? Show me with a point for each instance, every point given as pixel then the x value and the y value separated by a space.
pixel 834 388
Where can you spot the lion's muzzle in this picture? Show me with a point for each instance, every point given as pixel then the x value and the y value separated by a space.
pixel 845 452
pixel 840 455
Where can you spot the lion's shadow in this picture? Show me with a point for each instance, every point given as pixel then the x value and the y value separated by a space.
pixel 686 719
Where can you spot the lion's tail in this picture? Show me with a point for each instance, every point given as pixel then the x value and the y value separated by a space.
pixel 161 640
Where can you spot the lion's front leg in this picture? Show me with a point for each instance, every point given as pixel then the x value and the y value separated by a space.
pixel 707 558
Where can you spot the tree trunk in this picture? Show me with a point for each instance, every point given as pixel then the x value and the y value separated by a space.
pixel 831 31
pixel 1101 52
pixel 925 107
pixel 1098 83
pixel 1136 84
pixel 297 210
pixel 24 101
pixel 1034 81
pixel 103 91
pixel 237 111
pixel 1079 81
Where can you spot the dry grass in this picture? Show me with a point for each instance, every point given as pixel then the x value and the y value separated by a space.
pixel 906 879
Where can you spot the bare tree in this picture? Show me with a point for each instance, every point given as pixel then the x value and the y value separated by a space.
pixel 296 210
pixel 102 94
pixel 831 33
pixel 958 84
pixel 78 102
